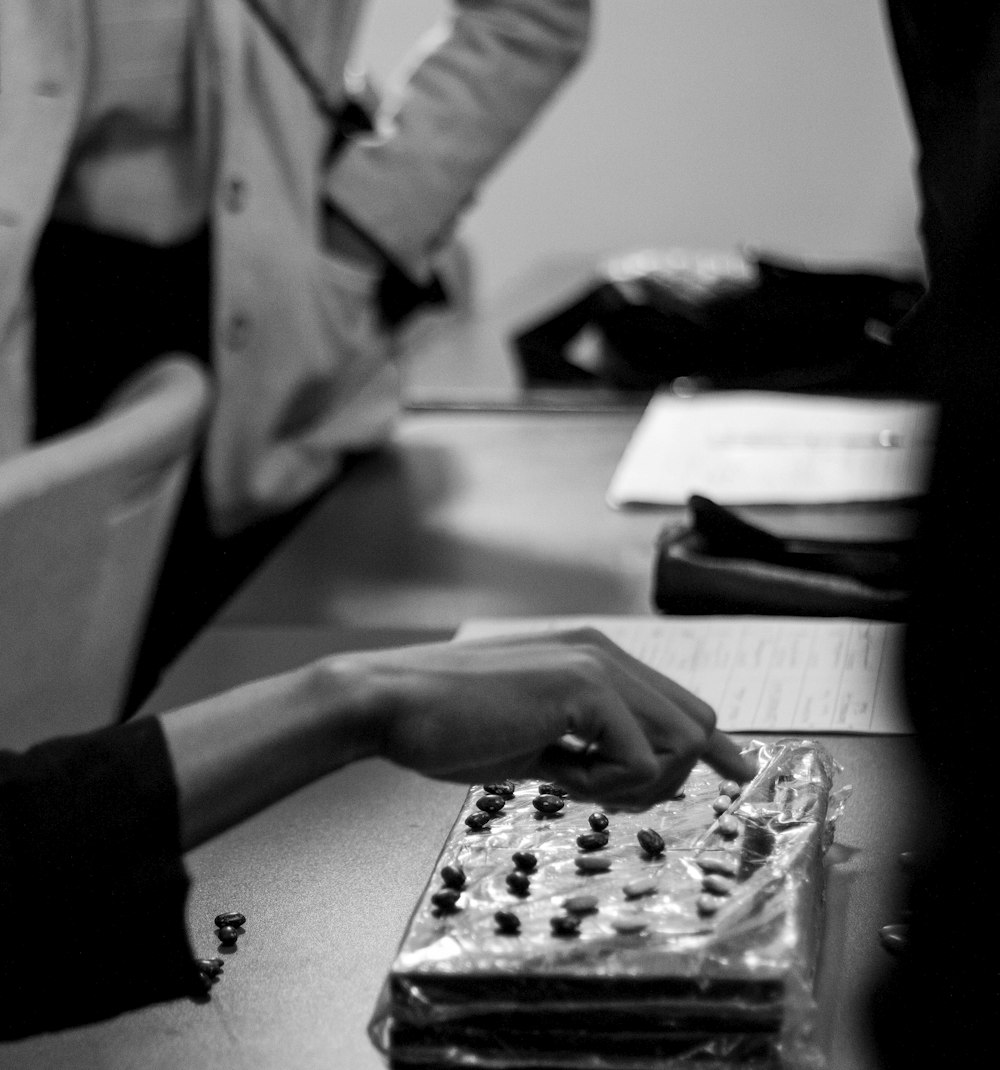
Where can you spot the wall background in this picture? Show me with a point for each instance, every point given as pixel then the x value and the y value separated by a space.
pixel 772 124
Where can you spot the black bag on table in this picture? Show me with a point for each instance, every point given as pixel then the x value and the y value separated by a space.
pixel 718 563
pixel 719 321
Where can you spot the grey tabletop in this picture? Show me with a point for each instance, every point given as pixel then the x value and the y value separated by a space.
pixel 467 515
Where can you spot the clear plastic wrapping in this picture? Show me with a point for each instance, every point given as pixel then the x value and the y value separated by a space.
pixel 700 954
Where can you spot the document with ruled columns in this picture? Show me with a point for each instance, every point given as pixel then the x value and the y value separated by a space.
pixel 751 447
pixel 764 674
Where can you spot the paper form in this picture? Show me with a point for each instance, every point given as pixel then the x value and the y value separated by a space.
pixel 765 674
pixel 757 448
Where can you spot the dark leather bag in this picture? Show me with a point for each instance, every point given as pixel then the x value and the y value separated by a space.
pixel 717 562
pixel 763 323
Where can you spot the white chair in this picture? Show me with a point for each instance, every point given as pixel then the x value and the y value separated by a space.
pixel 84 521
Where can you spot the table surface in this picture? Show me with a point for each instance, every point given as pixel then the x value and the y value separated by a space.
pixel 468 514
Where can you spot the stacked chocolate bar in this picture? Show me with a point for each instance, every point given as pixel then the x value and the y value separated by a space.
pixel 554 935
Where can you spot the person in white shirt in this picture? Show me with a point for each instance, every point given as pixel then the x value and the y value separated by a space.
pixel 166 184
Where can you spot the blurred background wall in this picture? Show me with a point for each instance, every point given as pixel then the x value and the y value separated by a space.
pixel 774 125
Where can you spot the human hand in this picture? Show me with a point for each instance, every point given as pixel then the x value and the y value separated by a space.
pixel 568 706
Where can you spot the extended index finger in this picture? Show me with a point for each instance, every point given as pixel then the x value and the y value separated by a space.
pixel 723 755
pixel 720 752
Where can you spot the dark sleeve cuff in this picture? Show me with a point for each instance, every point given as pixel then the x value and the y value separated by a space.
pixel 92 885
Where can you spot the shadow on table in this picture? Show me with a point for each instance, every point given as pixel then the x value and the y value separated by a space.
pixel 411 540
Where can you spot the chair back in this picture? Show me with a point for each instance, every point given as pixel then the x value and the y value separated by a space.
pixel 84 522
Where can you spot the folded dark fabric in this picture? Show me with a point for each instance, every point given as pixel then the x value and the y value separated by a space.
pixel 92 881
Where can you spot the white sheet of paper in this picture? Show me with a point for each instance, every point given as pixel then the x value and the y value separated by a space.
pixel 758 448
pixel 765 674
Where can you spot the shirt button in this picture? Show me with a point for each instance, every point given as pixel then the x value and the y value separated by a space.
pixel 49 87
pixel 238 331
pixel 235 196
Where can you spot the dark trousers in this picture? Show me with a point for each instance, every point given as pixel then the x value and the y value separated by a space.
pixel 940 996
pixel 106 307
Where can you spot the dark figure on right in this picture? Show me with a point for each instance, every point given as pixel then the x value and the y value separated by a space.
pixel 939 1002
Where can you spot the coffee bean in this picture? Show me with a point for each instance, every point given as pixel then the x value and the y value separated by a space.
pixel 548 803
pixel 446 900
pixel 728 825
pixel 228 936
pixel 478 821
pixel 724 864
pixel 519 883
pixel 630 923
pixel 580 904
pixel 708 904
pixel 565 925
pixel 593 863
pixel 551 789
pixel 592 841
pixel 505 789
pixel 638 887
pixel 232 917
pixel 730 788
pixel 491 804
pixel 650 841
pixel 717 884
pixel 453 876
pixel 721 804
pixel 507 922
pixel 211 967
pixel 894 937
pixel 598 821
pixel 524 860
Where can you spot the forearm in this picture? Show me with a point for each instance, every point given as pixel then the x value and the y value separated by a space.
pixel 236 753
pixel 472 93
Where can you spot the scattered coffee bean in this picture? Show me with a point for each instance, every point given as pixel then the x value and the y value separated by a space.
pixel 453 876
pixel 630 923
pixel 679 795
pixel 491 804
pixel 505 789
pixel 524 860
pixel 640 886
pixel 721 804
pixel 894 937
pixel 709 904
pixel 565 925
pixel 478 820
pixel 228 936
pixel 211 967
pixel 580 904
pixel 446 900
pixel 730 788
pixel 728 825
pixel 204 982
pixel 650 841
pixel 724 864
pixel 592 841
pixel 507 922
pixel 593 863
pixel 598 821
pixel 232 917
pixel 717 884
pixel 519 883
pixel 552 789
pixel 547 803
